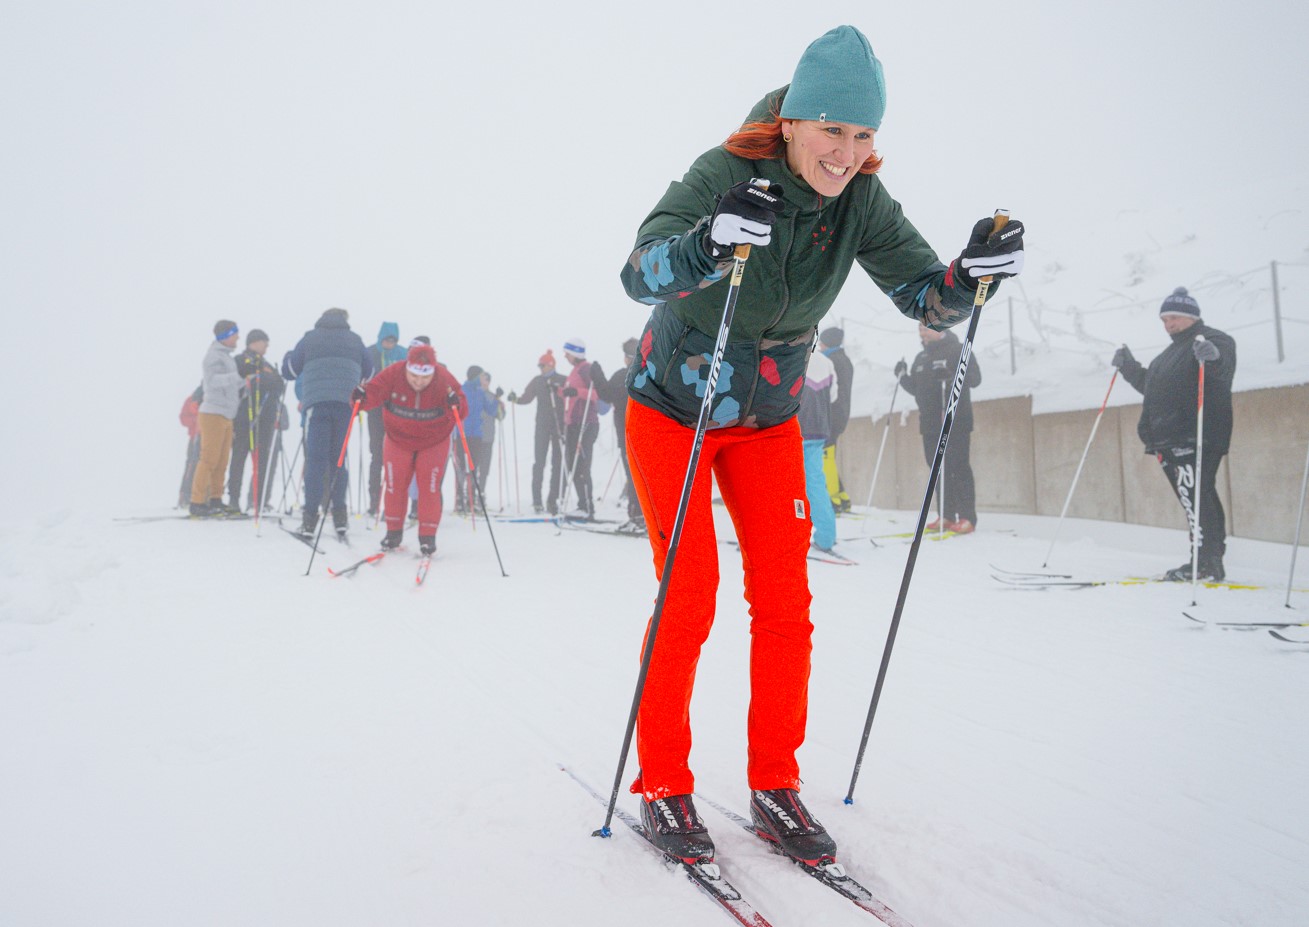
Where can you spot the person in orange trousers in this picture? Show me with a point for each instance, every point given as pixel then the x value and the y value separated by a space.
pixel 797 182
pixel 763 485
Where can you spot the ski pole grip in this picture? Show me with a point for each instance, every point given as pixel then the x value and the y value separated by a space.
pixel 742 252
pixel 998 221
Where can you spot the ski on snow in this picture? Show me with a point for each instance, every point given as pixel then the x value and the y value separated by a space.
pixel 1250 625
pixel 816 554
pixel 1289 640
pixel 350 570
pixel 182 516
pixel 1033 574
pixel 705 876
pixel 303 539
pixel 1053 582
pixel 833 875
pixel 424 564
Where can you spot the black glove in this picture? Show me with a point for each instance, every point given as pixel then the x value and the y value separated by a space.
pixel 991 253
pixel 1122 356
pixel 358 395
pixel 1204 351
pixel 452 398
pixel 499 391
pixel 512 397
pixel 901 368
pixel 744 216
pixel 597 375
pixel 568 392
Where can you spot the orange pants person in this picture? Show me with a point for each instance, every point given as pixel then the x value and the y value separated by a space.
pixel 760 473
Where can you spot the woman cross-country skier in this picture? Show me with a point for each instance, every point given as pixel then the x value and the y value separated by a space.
pixel 417 400
pixel 815 138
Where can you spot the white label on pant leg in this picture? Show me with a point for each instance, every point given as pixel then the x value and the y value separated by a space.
pixel 799 508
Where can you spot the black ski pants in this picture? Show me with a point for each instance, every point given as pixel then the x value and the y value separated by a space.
pixel 547 442
pixel 264 434
pixel 1179 466
pixel 955 483
pixel 578 442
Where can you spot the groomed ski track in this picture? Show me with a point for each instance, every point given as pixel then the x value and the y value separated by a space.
pixel 276 749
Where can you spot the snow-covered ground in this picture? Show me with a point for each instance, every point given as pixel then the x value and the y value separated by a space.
pixel 196 733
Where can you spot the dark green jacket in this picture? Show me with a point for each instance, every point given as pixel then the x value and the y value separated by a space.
pixel 787 289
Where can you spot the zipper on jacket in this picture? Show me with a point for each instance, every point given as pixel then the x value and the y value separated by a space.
pixel 677 350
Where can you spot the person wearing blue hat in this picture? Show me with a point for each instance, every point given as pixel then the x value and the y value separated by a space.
pixel 820 210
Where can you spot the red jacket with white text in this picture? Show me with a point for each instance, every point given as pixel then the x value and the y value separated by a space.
pixel 414 420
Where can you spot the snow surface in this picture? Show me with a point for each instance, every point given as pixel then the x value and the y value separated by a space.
pixel 196 733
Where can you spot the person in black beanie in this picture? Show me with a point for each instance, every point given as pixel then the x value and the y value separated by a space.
pixel 1171 387
pixel 260 403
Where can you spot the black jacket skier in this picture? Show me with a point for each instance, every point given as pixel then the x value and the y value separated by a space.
pixel 1168 426
pixel 929 381
pixel 1170 386
pixel 935 365
pixel 544 389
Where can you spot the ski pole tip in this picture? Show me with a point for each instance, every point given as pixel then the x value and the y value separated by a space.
pixel 847 800
pixel 602 832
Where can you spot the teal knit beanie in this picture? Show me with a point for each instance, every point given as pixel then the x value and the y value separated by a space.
pixel 838 79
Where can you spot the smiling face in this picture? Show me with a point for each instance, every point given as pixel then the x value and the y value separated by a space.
pixel 826 155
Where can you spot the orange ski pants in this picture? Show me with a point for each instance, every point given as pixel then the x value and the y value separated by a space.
pixel 760 474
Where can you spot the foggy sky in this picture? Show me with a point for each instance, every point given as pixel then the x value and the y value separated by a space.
pixel 479 176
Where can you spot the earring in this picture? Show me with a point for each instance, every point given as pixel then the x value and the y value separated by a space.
pixel 786 138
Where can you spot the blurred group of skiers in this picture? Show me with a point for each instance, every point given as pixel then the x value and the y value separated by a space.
pixel 421 421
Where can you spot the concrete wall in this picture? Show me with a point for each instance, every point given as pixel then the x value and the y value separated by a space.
pixel 1025 464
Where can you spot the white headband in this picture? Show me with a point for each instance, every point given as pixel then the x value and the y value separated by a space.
pixel 421 370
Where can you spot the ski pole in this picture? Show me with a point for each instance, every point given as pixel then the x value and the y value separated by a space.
pixel 255 416
pixel 1199 461
pixel 275 453
pixel 940 504
pixel 289 472
pixel 740 255
pixel 882 447
pixel 1078 474
pixel 472 475
pixel 609 482
pixel 331 485
pixel 1299 520
pixel 468 464
pixel 359 487
pixel 513 431
pixel 571 471
pixel 961 371
pixel 500 464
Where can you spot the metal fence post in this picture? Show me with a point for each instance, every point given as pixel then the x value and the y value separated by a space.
pixel 1277 314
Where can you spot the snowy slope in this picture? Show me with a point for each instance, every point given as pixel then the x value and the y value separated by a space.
pixel 196 733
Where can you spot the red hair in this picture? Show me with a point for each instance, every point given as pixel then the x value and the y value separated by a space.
pixel 758 141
